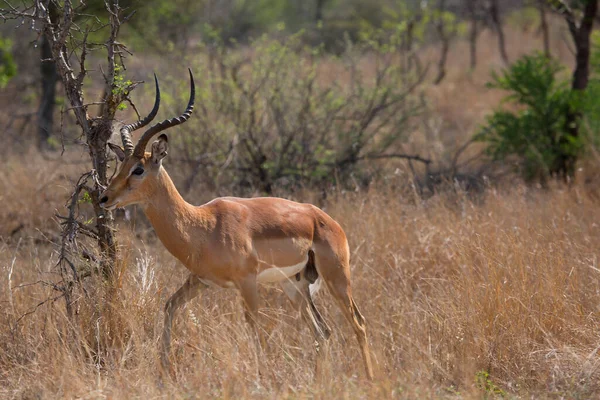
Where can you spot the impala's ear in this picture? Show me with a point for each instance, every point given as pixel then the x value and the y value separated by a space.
pixel 118 151
pixel 160 148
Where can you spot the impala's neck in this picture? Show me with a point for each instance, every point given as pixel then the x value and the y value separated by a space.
pixel 171 216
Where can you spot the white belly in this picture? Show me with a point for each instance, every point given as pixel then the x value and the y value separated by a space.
pixel 227 284
pixel 278 274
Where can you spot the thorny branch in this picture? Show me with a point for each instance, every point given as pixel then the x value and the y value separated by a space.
pixel 69 246
pixel 71 227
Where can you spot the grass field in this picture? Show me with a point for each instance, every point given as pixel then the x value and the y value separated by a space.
pixel 496 294
pixel 452 291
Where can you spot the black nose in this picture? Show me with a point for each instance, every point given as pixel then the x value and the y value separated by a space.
pixel 104 199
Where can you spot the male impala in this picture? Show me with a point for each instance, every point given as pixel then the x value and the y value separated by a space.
pixel 235 242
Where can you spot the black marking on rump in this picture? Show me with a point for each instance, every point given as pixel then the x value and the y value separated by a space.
pixel 310 271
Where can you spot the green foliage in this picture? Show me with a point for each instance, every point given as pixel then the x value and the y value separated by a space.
pixel 535 131
pixel 8 67
pixel 485 383
pixel 163 26
pixel 121 86
pixel 85 198
pixel 591 103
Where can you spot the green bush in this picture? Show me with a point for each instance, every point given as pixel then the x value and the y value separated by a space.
pixel 8 67
pixel 534 131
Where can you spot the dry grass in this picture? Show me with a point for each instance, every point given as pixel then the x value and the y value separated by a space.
pixel 508 284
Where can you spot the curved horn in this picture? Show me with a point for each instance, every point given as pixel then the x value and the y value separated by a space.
pixel 127 129
pixel 140 148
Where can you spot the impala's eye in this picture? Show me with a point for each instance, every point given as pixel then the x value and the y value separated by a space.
pixel 138 171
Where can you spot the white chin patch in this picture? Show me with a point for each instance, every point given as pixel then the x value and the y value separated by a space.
pixel 110 208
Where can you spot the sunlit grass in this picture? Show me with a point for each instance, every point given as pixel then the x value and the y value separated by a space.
pixel 451 291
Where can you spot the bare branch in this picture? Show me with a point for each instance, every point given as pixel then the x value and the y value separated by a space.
pixel 34 309
pixel 395 155
pixel 82 70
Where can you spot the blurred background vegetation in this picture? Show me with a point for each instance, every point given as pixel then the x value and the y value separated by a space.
pixel 326 93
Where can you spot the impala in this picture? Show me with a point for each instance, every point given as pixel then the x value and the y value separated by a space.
pixel 235 242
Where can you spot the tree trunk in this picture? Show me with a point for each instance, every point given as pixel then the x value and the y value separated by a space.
pixel 445 37
pixel 47 102
pixel 442 61
pixel 407 53
pixel 104 220
pixel 495 15
pixel 97 130
pixel 319 11
pixel 49 76
pixel 565 165
pixel 473 33
pixel 582 43
pixel 544 27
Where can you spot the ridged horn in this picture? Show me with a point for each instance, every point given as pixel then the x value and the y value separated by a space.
pixel 140 148
pixel 127 129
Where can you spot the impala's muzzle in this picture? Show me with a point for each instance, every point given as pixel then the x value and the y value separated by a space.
pixel 105 203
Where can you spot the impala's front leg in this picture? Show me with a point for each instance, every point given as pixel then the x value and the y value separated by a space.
pixel 249 291
pixel 189 290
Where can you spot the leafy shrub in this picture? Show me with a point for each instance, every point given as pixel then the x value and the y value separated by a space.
pixel 535 131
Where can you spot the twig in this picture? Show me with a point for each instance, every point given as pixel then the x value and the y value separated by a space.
pixel 34 309
pixel 40 282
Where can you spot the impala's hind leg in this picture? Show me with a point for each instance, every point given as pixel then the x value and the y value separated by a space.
pixel 334 269
pixel 297 290
pixel 343 295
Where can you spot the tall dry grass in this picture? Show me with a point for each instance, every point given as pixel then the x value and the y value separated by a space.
pixel 508 285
